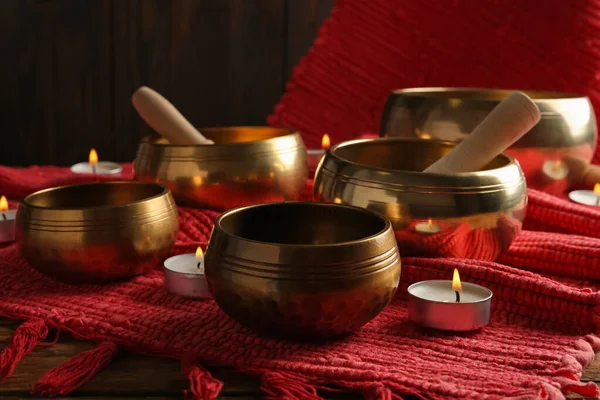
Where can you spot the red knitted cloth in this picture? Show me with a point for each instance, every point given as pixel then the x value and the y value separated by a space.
pixel 368 48
pixel 535 347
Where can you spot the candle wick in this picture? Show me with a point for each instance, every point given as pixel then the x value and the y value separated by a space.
pixel 4 216
pixel 94 169
pixel 199 264
pixel 457 296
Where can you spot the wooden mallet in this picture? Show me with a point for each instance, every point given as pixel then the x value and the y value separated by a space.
pixel 581 172
pixel 507 123
pixel 164 118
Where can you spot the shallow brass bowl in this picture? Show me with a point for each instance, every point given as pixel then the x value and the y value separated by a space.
pixel 470 215
pixel 567 128
pixel 246 165
pixel 300 269
pixel 97 232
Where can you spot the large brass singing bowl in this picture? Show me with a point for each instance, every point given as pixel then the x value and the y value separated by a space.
pixel 246 165
pixel 300 269
pixel 567 128
pixel 469 215
pixel 97 232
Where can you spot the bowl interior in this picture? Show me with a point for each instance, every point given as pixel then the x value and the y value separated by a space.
pixel 94 195
pixel 482 94
pixel 235 134
pixel 402 155
pixel 302 224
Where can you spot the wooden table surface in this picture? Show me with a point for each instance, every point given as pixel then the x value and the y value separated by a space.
pixel 135 377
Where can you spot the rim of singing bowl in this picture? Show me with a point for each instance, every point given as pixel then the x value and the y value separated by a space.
pixel 216 133
pixel 485 94
pixel 272 253
pixel 509 173
pixel 159 189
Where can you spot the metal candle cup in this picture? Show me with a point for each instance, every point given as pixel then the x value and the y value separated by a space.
pixel 314 156
pixel 102 168
pixel 7 222
pixel 586 197
pixel 433 304
pixel 184 276
pixel 97 168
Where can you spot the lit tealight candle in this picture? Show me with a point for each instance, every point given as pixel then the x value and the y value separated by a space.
pixel 428 228
pixel 94 167
pixel 449 305
pixel 587 197
pixel 314 156
pixel 555 169
pixel 7 222
pixel 184 275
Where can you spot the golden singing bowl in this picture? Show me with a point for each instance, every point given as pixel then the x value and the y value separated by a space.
pixel 469 215
pixel 246 165
pixel 300 269
pixel 97 232
pixel 567 127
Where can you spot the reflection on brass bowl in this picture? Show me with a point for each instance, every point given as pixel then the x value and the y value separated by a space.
pixel 246 165
pixel 470 215
pixel 97 232
pixel 567 127
pixel 300 269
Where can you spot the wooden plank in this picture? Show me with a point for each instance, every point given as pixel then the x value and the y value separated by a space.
pixel 9 85
pixel 231 82
pixel 25 397
pixel 220 62
pixel 304 17
pixel 592 371
pixel 142 47
pixel 127 375
pixel 56 61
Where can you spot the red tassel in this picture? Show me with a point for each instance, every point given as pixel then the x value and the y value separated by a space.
pixel 28 335
pixel 69 376
pixel 202 385
pixel 276 385
pixel 380 392
pixel 377 392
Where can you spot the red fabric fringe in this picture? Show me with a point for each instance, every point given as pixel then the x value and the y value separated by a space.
pixel 278 385
pixel 202 385
pixel 67 377
pixel 25 338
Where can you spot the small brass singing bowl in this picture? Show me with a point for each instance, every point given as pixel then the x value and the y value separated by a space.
pixel 567 127
pixel 97 232
pixel 246 165
pixel 469 215
pixel 302 270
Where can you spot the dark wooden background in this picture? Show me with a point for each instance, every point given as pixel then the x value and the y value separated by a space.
pixel 68 68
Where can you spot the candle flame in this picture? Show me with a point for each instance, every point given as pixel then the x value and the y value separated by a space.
pixel 597 189
pixel 325 142
pixel 429 221
pixel 3 204
pixel 456 285
pixel 93 157
pixel 199 252
pixel 422 134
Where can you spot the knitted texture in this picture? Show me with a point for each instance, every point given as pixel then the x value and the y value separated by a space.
pixel 368 48
pixel 535 347
pixel 550 213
